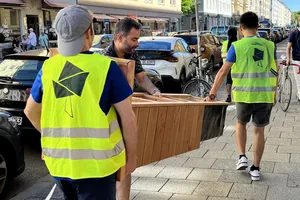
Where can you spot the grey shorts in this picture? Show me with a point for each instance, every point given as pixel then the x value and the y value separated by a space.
pixel 260 113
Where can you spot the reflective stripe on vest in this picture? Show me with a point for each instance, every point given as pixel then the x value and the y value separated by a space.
pixel 253 75
pixel 254 89
pixel 81 132
pixel 83 154
pixel 79 140
pixel 254 72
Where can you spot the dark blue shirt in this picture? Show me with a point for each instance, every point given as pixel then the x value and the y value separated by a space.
pixel 231 55
pixel 294 38
pixel 116 88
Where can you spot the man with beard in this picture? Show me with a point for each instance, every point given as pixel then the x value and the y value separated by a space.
pixel 125 42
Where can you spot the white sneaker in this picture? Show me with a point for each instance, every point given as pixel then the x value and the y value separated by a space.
pixel 255 175
pixel 242 163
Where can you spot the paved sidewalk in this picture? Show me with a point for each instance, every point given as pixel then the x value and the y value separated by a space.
pixel 208 173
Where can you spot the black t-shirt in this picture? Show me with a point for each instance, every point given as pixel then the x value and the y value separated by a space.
pixel 294 38
pixel 15 42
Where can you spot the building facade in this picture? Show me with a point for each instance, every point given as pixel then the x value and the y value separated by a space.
pixel 281 15
pixel 238 8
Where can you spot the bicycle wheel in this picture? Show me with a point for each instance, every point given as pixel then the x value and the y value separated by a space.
pixel 286 94
pixel 197 87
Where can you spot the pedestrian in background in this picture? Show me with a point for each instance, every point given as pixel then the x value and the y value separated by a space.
pixel 24 42
pixel 253 65
pixel 294 45
pixel 31 40
pixel 232 37
pixel 74 103
pixel 17 45
pixel 43 40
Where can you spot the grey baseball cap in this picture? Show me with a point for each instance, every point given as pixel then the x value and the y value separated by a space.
pixel 70 24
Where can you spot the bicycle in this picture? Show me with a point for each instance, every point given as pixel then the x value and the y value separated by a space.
pixel 284 85
pixel 200 84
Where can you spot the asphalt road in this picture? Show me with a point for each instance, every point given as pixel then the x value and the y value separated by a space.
pixel 34 170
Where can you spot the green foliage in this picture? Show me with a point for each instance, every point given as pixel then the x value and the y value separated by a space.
pixel 295 17
pixel 187 7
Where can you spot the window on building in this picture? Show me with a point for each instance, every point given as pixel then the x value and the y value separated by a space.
pixel 148 1
pixel 160 2
pixel 173 2
pixel 14 17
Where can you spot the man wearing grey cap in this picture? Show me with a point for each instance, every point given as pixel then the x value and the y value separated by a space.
pixel 74 103
pixel 31 40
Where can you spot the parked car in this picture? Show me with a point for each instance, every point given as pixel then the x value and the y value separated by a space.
pixel 102 41
pixel 11 149
pixel 263 34
pixel 170 56
pixel 278 36
pixel 272 36
pixel 17 74
pixel 210 46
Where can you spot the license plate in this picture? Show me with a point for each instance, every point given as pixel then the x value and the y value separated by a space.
pixel 18 120
pixel 148 62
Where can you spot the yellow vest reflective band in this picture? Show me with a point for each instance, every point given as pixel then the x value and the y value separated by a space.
pixel 78 139
pixel 224 50
pixel 254 73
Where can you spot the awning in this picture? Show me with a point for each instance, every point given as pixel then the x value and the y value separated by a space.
pixel 118 16
pixel 12 2
pixel 103 17
pixel 54 4
pixel 144 19
pixel 161 20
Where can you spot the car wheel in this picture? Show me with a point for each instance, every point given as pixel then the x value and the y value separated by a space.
pixel 3 173
pixel 182 78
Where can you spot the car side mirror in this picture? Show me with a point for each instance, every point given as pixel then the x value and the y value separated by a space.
pixel 193 50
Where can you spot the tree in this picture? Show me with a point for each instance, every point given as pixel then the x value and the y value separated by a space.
pixel 295 17
pixel 187 7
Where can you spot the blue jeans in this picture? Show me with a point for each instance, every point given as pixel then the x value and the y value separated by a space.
pixel 88 189
pixel 30 47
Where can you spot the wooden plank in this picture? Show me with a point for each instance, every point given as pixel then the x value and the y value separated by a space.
pixel 150 136
pixel 181 133
pixel 168 143
pixel 159 133
pixel 142 121
pixel 139 99
pixel 159 99
pixel 193 143
pixel 175 130
pixel 188 128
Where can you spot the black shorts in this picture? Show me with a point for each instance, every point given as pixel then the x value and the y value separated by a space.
pixel 228 78
pixel 260 113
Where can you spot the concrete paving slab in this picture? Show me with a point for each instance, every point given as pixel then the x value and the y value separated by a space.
pixel 280 193
pixel 149 184
pixel 223 198
pixel 205 174
pixel 148 171
pixel 180 186
pixel 287 168
pixel 235 176
pixel 272 179
pixel 153 196
pixel 248 191
pixel 278 141
pixel 213 189
pixel 175 172
pixel 204 163
pixel 198 153
pixel 213 146
pixel 187 197
pixel 218 154
pixel 173 161
pixel 289 149
pixel 293 180
pixel 268 147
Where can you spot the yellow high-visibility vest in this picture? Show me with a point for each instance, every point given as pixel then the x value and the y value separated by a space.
pixel 78 139
pixel 254 73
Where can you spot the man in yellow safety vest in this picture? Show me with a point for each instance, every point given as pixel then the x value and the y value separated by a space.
pixel 74 103
pixel 253 65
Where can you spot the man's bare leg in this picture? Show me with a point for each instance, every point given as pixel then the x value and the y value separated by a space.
pixel 241 137
pixel 123 188
pixel 259 144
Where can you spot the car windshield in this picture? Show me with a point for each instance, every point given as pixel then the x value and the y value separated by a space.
pixel 24 70
pixel 154 45
pixel 262 34
pixel 189 39
pixel 214 30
